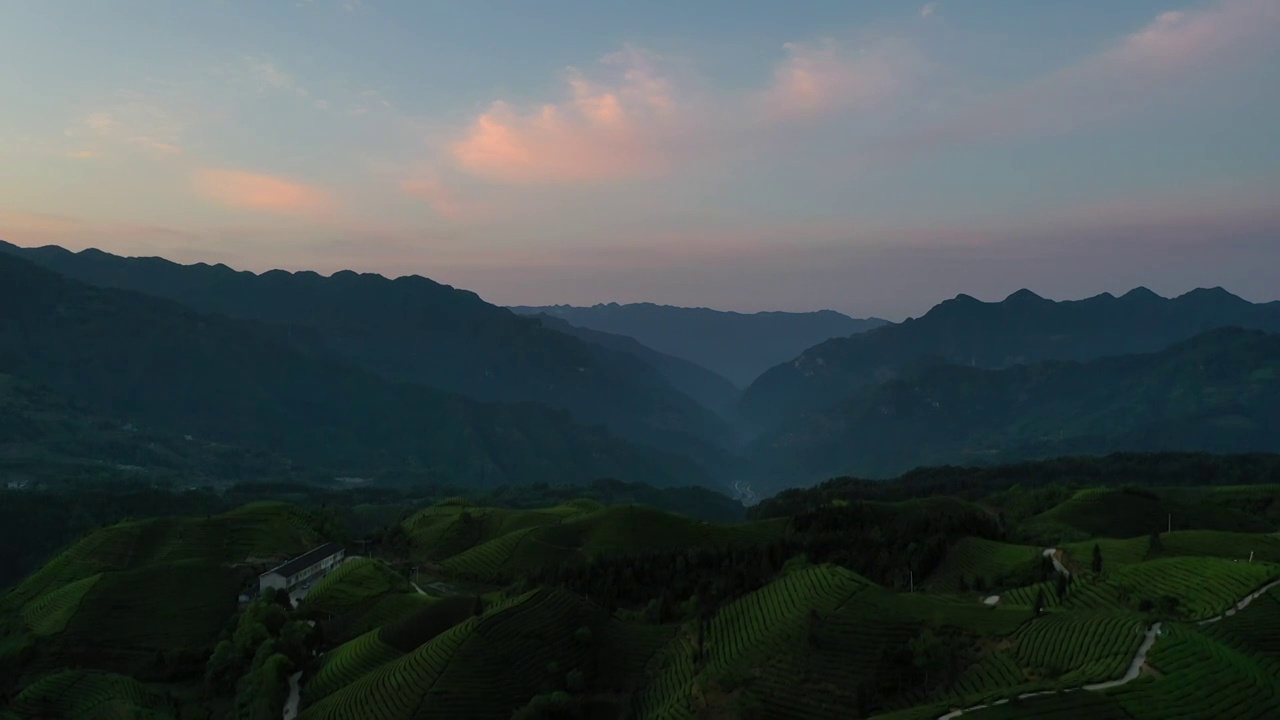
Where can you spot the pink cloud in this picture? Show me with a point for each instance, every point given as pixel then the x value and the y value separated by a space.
pixel 601 131
pixel 1177 49
pixel 443 200
pixel 254 191
pixel 819 77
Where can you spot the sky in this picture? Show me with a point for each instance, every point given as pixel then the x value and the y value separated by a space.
pixel 869 156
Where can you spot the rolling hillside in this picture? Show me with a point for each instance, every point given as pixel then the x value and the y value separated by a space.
pixel 588 611
pixel 1218 392
pixel 1022 329
pixel 414 330
pixel 152 362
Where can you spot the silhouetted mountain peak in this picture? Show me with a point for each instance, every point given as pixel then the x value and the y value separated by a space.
pixel 1215 294
pixel 1140 293
pixel 1023 296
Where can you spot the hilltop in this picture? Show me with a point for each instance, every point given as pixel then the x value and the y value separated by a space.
pixel 142 360
pixel 414 330
pixel 1022 329
pixel 1217 392
pixel 738 346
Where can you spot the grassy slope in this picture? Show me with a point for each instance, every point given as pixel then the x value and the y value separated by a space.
pixel 524 540
pixel 145 598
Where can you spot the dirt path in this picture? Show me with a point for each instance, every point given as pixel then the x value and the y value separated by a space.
pixel 1052 554
pixel 295 696
pixel 1139 659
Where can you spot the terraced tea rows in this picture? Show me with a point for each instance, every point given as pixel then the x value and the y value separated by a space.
pixel 1075 648
pixel 83 694
pixel 49 614
pixel 1203 679
pixel 356 581
pixel 1057 706
pixel 1203 587
pixel 382 610
pixel 346 663
pixel 397 688
pixel 1254 631
pixel 996 672
pixel 754 632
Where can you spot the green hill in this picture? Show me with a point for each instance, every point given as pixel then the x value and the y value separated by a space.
pixel 570 535
pixel 146 598
pixel 88 695
pixel 1130 512
pixel 584 610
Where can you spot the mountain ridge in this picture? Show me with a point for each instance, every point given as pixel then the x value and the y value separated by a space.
pixel 136 357
pixel 1020 329
pixel 414 329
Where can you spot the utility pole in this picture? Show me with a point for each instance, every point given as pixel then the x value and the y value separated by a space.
pixel 1170 522
pixel 912 577
pixel 1250 556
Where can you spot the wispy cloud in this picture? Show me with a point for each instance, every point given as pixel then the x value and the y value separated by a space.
pixel 929 10
pixel 268 77
pixel 244 190
pixel 1176 49
pixel 602 130
pixel 443 200
pixel 632 118
pixel 820 77
pixel 135 122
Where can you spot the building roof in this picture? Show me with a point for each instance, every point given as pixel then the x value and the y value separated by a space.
pixel 306 560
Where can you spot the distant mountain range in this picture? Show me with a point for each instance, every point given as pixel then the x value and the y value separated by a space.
pixel 699 383
pixel 414 330
pixel 1023 328
pixel 1217 392
pixel 110 362
pixel 737 346
pixel 150 361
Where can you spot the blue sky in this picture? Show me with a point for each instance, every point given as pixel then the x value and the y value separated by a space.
pixel 871 157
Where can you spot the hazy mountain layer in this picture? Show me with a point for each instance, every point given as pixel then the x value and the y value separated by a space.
pixel 736 345
pixel 1218 392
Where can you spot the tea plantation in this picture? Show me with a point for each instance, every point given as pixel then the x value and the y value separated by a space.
pixel 911 609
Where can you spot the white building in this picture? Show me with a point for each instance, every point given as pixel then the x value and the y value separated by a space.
pixel 310 566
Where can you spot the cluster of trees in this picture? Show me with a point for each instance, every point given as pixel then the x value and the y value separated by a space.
pixel 262 647
pixel 1060 475
pixel 672 585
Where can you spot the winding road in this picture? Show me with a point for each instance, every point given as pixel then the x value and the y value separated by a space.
pixel 1139 659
